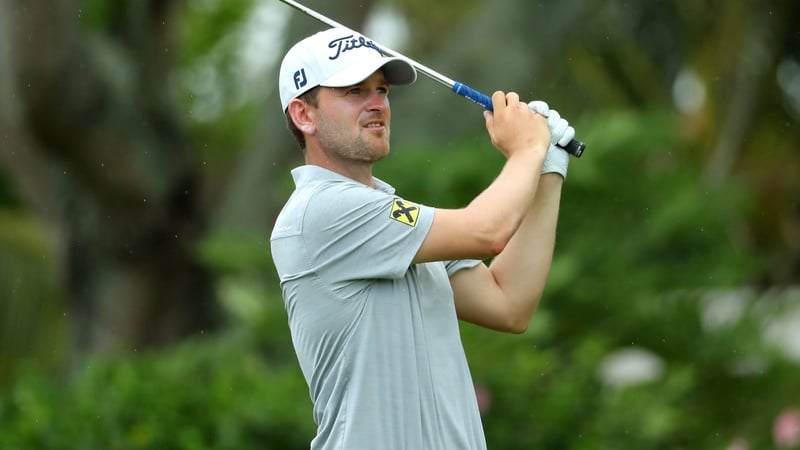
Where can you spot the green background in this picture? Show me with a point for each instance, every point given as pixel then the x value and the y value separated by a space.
pixel 144 156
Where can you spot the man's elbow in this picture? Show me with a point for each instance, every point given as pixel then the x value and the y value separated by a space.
pixel 496 246
pixel 494 233
pixel 495 241
pixel 513 323
pixel 518 326
pixel 519 320
pixel 488 246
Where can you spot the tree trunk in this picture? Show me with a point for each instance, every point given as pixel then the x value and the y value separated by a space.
pixel 90 118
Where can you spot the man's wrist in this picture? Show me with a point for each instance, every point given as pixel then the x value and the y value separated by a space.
pixel 534 155
pixel 552 176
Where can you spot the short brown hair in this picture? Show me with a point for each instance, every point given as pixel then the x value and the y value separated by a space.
pixel 312 98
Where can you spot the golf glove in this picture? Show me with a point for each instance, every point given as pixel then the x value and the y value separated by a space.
pixel 561 133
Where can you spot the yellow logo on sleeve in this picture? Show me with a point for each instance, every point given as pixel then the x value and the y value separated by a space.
pixel 405 212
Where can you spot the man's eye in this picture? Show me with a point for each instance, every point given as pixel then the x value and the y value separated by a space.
pixel 354 91
pixel 383 90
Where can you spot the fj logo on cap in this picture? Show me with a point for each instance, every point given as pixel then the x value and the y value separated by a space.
pixel 405 212
pixel 300 79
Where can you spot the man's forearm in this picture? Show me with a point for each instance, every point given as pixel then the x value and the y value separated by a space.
pixel 521 269
pixel 502 206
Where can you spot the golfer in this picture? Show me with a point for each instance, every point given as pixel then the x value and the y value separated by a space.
pixel 374 283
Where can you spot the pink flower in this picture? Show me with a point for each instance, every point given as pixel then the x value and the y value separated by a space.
pixel 484 398
pixel 786 429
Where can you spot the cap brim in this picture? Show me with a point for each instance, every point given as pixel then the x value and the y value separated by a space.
pixel 397 70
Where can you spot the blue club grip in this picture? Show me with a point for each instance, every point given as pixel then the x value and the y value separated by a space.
pixel 574 147
pixel 471 94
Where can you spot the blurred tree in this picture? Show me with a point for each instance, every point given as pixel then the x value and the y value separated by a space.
pixel 96 143
pixel 94 146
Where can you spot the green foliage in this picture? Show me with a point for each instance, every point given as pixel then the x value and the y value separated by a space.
pixel 637 255
pixel 656 210
pixel 643 241
pixel 236 251
pixel 216 97
pixel 240 388
pixel 447 175
pixel 207 23
pixel 546 390
pixel 212 393
pixel 27 289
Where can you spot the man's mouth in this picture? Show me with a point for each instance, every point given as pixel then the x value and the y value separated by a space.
pixel 374 124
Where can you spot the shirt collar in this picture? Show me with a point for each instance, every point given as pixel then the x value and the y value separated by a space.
pixel 310 173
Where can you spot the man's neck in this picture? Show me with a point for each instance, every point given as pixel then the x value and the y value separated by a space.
pixel 355 170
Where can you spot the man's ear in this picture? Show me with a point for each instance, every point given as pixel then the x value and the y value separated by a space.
pixel 303 116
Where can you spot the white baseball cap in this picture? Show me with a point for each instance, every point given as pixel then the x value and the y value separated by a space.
pixel 337 57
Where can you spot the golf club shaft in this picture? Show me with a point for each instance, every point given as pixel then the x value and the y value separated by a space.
pixel 574 147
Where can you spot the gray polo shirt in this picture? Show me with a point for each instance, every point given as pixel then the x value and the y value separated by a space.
pixel 376 337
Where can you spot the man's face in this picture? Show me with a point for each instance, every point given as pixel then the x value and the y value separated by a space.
pixel 353 122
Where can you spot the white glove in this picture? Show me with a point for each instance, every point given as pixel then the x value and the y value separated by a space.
pixel 561 133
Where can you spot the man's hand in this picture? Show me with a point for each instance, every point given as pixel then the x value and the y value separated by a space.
pixel 561 133
pixel 514 128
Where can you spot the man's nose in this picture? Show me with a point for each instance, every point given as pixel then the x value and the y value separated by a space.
pixel 377 101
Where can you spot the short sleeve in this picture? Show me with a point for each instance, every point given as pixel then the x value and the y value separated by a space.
pixel 356 232
pixel 454 266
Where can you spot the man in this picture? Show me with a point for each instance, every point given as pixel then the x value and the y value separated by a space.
pixel 373 283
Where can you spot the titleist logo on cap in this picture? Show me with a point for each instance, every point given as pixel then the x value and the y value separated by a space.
pixel 347 43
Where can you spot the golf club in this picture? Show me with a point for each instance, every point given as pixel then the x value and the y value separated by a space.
pixel 574 147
